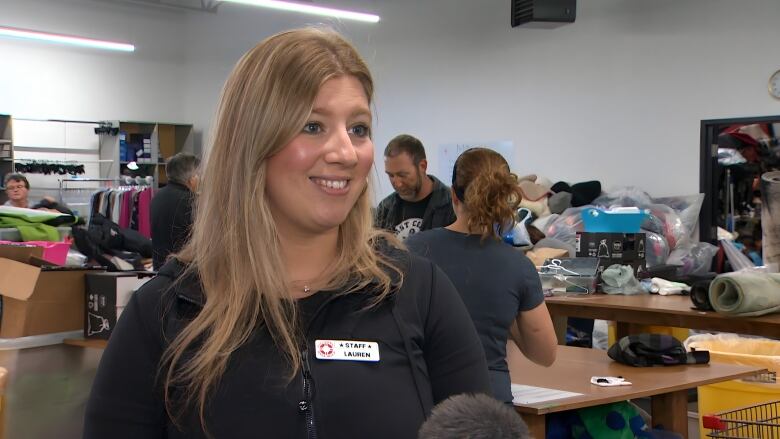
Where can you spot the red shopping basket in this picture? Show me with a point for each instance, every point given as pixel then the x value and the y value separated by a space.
pixel 760 421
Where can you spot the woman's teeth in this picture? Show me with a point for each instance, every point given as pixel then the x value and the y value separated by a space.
pixel 332 184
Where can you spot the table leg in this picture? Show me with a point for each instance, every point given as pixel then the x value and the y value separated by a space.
pixel 536 425
pixel 559 323
pixel 622 329
pixel 670 410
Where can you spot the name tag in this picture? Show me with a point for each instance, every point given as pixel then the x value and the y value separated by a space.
pixel 346 350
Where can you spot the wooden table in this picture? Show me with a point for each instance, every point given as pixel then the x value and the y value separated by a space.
pixel 86 343
pixel 573 368
pixel 652 309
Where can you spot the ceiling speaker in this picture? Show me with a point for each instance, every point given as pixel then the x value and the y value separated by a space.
pixel 543 13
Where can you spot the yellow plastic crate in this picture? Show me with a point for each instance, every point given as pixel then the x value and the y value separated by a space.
pixel 730 395
pixel 678 333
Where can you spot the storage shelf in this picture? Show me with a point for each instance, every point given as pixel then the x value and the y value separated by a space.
pixel 6 142
pixel 65 149
pixel 77 162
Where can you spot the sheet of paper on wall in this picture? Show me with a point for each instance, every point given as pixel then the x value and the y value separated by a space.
pixel 447 153
pixel 529 395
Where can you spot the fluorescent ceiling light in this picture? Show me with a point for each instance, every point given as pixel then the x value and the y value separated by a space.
pixel 309 9
pixel 64 39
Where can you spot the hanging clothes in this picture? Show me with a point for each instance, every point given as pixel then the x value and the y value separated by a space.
pixel 145 213
pixel 48 167
pixel 126 206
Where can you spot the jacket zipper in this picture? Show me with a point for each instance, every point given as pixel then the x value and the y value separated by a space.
pixel 306 405
pixel 189 300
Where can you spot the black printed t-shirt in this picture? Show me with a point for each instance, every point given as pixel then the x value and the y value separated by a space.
pixel 412 213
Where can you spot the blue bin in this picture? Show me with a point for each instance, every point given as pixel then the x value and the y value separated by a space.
pixel 600 221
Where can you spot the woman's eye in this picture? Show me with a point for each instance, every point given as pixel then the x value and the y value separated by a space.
pixel 360 130
pixel 312 128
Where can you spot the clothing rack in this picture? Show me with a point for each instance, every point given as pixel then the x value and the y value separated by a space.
pixel 127 181
pixel 124 182
pixel 82 195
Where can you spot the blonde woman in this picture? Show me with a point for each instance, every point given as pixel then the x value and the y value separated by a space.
pixel 286 315
pixel 498 284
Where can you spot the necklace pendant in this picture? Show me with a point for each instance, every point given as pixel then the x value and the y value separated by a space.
pixel 306 289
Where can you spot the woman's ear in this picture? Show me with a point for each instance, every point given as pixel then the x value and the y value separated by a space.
pixel 455 201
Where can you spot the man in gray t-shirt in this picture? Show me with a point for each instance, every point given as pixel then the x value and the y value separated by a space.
pixel 496 282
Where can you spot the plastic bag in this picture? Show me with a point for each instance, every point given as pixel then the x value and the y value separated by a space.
pixel 674 217
pixel 566 226
pixel 620 279
pixel 75 259
pixel 688 208
pixel 738 349
pixel 624 197
pixel 729 157
pixel 657 249
pixel 736 258
pixel 664 221
pixel 693 259
pixel 517 235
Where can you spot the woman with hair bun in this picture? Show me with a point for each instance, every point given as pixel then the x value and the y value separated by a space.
pixel 499 284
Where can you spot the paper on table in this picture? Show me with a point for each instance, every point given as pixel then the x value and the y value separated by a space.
pixel 526 395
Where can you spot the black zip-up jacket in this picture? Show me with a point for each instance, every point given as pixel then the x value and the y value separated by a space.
pixel 171 220
pixel 428 348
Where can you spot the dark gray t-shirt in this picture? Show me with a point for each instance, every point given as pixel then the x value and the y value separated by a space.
pixel 496 282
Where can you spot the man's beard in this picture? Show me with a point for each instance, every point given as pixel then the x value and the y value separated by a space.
pixel 415 192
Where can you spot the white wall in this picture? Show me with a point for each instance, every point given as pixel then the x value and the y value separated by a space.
pixel 49 81
pixel 616 96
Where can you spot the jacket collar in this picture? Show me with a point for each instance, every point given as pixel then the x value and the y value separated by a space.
pixel 439 193
pixel 188 287
pixel 179 186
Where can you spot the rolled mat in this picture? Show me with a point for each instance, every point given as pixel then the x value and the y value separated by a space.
pixel 700 295
pixel 770 216
pixel 746 293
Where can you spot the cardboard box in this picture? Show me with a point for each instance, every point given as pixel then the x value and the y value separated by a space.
pixel 38 300
pixel 107 294
pixel 611 246
pixel 614 248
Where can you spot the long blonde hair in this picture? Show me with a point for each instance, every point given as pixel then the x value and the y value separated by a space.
pixel 234 247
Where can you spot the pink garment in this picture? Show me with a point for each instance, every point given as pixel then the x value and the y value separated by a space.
pixel 126 209
pixel 144 213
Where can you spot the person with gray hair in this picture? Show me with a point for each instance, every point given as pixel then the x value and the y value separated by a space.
pixel 473 417
pixel 171 212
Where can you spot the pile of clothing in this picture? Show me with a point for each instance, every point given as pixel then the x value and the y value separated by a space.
pixel 542 203
pixel 33 224
pixel 116 248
